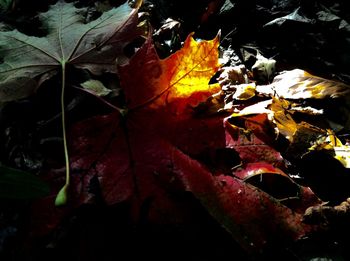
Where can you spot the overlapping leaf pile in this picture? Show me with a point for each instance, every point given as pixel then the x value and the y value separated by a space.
pixel 301 116
pixel 163 142
pixel 157 141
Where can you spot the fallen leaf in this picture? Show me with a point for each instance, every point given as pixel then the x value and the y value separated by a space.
pixel 252 216
pixel 251 141
pixel 296 15
pixel 131 154
pixel 337 215
pixel 233 75
pixel 300 134
pixel 263 69
pixel 150 151
pixel 333 145
pixel 96 87
pixel 299 84
pixel 244 92
pixel 270 119
pixel 69 41
pixel 279 185
pixel 183 76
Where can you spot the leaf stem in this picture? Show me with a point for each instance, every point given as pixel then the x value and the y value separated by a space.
pixel 66 156
pixel 61 198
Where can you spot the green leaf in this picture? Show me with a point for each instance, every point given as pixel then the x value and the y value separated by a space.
pixel 17 184
pixel 93 46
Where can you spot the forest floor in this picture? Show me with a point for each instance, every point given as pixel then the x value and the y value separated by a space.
pixel 258 41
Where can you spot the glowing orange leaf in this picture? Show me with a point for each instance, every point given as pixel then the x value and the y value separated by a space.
pixel 185 74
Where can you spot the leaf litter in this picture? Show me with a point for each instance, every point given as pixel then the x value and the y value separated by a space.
pixel 150 149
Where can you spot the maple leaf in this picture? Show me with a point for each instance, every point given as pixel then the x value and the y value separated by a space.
pixel 93 46
pixel 147 152
pixel 137 147
pixel 182 76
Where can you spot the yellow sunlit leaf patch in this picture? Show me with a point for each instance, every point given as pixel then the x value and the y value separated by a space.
pixel 183 75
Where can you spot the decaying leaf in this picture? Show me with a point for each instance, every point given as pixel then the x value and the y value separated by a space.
pixel 333 145
pixel 299 84
pixel 235 85
pixel 337 215
pixel 233 75
pixel 300 134
pixel 253 139
pixel 263 69
pixel 271 118
pixel 93 46
pixel 96 87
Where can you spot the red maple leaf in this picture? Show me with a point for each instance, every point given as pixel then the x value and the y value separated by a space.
pixel 149 150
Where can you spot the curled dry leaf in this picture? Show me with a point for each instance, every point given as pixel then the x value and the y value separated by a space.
pixel 253 140
pixel 331 144
pixel 301 135
pixel 271 118
pixel 299 84
pixel 323 214
pixel 263 69
pixel 270 179
pixel 235 85
pixel 96 87
pixel 232 76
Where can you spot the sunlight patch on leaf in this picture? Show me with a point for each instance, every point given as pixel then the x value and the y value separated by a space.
pixel 299 84
pixel 191 68
pixel 182 75
pixel 333 145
